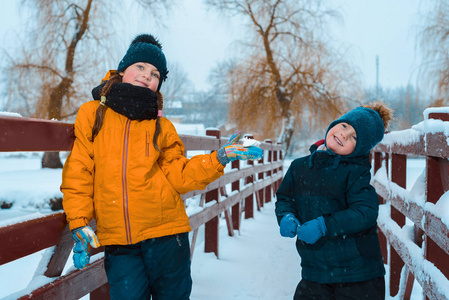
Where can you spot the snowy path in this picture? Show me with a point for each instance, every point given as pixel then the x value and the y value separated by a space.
pixel 256 264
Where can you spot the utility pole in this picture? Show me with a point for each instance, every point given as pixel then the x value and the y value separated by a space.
pixel 377 77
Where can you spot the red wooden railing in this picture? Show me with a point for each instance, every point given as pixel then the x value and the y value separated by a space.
pixel 249 182
pixel 420 251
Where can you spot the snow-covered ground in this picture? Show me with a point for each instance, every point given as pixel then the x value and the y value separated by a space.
pixel 256 263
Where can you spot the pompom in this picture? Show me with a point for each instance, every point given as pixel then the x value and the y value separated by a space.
pixel 385 113
pixel 147 38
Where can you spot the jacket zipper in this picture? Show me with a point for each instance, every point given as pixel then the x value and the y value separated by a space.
pixel 147 145
pixel 125 183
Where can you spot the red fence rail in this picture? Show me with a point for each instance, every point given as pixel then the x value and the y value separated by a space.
pixel 249 182
pixel 414 234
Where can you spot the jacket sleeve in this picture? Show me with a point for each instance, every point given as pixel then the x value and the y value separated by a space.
pixel 78 174
pixel 185 174
pixel 284 195
pixel 362 211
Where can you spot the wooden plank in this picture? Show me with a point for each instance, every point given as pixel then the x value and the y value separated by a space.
pixel 203 216
pixel 210 212
pixel 62 252
pixel 434 226
pixel 430 144
pixel 436 145
pixel 231 177
pixel 28 134
pixel 204 143
pixel 403 147
pixel 74 285
pixel 409 208
pixel 22 239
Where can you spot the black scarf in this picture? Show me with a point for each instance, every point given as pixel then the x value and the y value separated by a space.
pixel 134 102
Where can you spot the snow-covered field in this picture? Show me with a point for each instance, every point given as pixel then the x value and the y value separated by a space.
pixel 257 263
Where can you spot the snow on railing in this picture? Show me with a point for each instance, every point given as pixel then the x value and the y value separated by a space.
pixel 232 194
pixel 419 251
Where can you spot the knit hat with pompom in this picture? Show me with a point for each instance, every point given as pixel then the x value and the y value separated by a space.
pixel 145 48
pixel 369 122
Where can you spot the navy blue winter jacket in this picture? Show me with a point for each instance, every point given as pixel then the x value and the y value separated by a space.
pixel 337 188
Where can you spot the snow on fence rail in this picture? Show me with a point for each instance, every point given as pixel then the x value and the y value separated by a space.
pixel 248 182
pixel 420 251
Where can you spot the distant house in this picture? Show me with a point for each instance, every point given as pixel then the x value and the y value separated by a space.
pixel 190 129
pixel 173 110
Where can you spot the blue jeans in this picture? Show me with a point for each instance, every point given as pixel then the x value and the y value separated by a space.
pixel 157 269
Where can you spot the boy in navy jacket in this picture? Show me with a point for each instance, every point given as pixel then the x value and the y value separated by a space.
pixel 326 200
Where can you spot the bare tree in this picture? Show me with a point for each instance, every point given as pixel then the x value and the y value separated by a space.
pixel 177 87
pixel 53 73
pixel 289 72
pixel 434 41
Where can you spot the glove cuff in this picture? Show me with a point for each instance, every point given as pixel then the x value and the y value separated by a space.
pixel 322 225
pixel 222 157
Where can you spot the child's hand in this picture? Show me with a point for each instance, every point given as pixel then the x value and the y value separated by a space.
pixel 289 225
pixel 310 232
pixel 237 151
pixel 232 150
pixel 85 238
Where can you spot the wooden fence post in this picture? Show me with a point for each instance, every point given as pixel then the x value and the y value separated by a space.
pixel 398 176
pixel 236 208
pixel 269 160
pixel 281 168
pixel 382 238
pixel 211 227
pixel 249 200
pixel 436 177
pixel 261 192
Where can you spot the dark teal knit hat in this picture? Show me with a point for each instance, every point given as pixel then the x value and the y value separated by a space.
pixel 145 48
pixel 368 126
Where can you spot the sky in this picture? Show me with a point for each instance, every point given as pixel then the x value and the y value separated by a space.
pixel 197 38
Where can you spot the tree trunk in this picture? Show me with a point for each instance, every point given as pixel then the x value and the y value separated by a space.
pixel 51 160
pixel 286 135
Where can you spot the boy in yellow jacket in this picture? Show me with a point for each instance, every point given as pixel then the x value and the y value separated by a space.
pixel 127 170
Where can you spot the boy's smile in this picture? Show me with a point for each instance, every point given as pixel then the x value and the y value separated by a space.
pixel 341 139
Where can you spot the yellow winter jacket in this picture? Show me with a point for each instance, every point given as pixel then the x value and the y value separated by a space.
pixel 121 180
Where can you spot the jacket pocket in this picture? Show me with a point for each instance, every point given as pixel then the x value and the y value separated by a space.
pixel 368 244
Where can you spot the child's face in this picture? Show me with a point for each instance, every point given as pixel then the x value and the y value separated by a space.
pixel 341 139
pixel 142 74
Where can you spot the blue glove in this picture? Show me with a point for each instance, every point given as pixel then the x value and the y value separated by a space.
pixel 312 231
pixel 232 150
pixel 85 239
pixel 289 225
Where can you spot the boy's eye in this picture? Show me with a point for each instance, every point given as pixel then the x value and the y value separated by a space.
pixel 156 75
pixel 354 137
pixel 140 67
pixel 344 125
